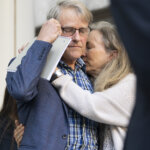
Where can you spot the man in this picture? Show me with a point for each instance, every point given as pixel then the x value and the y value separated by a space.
pixel 40 108
pixel 133 20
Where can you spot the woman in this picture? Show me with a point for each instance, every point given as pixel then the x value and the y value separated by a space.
pixel 112 103
pixel 8 115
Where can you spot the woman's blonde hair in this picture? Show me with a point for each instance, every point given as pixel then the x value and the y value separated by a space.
pixel 77 5
pixel 119 66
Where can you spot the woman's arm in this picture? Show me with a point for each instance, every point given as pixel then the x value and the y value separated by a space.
pixel 112 106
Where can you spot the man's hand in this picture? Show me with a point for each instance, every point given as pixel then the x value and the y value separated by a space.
pixel 50 31
pixel 18 132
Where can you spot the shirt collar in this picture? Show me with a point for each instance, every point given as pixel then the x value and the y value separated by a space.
pixel 79 64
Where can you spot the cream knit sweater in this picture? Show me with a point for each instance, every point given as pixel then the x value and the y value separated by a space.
pixel 112 106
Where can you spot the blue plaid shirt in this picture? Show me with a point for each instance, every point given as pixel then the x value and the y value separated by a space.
pixel 83 132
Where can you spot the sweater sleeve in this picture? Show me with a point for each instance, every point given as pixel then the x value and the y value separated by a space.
pixel 112 106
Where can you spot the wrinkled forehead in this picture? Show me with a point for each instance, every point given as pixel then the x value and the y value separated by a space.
pixel 80 9
pixel 73 13
pixel 71 18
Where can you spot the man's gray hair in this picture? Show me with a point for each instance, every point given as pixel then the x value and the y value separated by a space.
pixel 78 6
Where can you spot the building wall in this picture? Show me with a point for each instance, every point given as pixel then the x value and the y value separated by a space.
pixel 16 28
pixel 6 39
pixel 24 22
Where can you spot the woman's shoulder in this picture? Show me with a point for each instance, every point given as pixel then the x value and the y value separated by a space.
pixel 131 77
pixel 125 86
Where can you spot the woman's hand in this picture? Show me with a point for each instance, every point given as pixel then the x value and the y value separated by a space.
pixel 18 132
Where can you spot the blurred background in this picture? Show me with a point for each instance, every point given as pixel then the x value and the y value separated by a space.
pixel 21 21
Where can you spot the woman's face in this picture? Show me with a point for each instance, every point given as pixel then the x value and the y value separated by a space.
pixel 96 56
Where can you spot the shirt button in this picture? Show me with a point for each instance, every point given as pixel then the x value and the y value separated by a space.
pixel 64 136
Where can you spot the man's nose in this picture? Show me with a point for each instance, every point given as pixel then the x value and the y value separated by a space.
pixel 76 36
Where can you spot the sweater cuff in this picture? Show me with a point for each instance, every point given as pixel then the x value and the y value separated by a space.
pixel 61 80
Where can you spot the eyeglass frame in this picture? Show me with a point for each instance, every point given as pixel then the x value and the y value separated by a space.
pixel 74 31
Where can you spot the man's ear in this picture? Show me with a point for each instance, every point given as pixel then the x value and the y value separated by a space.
pixel 113 54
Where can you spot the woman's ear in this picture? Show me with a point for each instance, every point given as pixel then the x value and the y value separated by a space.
pixel 113 54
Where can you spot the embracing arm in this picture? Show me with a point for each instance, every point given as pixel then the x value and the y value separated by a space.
pixel 112 106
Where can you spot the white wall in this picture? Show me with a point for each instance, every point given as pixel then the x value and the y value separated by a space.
pixel 6 40
pixel 16 28
pixel 24 22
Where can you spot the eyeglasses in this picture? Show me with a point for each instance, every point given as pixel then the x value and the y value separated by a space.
pixel 69 31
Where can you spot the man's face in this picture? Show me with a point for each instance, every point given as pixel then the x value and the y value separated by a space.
pixel 69 18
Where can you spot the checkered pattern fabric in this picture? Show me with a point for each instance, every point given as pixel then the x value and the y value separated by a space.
pixel 83 132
